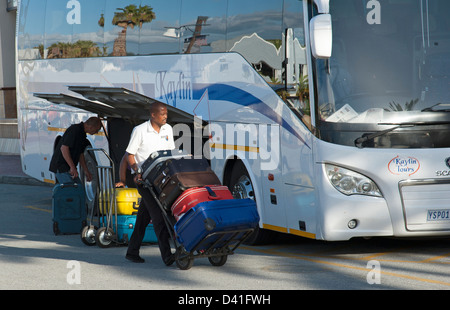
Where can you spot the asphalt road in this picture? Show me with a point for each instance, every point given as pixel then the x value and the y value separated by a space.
pixel 32 257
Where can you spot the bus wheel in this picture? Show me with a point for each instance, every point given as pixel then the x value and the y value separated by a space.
pixel 241 187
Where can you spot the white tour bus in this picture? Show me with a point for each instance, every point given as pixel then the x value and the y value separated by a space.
pixel 334 115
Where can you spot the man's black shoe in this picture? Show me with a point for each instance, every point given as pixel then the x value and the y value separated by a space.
pixel 135 258
pixel 169 260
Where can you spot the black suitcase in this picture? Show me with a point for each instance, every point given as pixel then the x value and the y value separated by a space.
pixel 150 168
pixel 171 166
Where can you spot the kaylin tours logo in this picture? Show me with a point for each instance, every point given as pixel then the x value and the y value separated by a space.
pixel 404 165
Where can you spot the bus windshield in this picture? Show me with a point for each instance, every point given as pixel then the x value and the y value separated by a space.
pixel 390 66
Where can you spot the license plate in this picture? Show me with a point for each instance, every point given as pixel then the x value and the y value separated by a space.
pixel 438 215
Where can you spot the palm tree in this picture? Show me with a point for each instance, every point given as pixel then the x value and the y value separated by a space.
pixel 130 16
pixel 72 50
pixel 396 107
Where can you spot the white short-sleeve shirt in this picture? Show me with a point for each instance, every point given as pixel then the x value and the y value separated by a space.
pixel 146 140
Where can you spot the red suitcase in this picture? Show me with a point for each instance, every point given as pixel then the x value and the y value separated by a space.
pixel 193 196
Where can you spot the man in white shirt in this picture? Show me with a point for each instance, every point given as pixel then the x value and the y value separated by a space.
pixel 153 135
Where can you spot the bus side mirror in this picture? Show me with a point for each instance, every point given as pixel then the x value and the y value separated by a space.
pixel 321 35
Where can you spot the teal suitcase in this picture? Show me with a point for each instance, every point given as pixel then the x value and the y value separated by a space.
pixel 68 208
pixel 125 227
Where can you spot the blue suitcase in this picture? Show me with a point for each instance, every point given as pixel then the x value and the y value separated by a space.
pixel 68 208
pixel 125 227
pixel 208 221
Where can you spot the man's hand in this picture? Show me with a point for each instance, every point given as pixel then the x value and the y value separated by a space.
pixel 73 172
pixel 120 184
pixel 88 175
pixel 138 179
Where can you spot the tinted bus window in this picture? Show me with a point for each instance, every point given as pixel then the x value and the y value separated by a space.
pixel 255 31
pixel 31 29
pixel 203 26
pixel 58 32
pixel 160 34
pixel 88 36
pixel 72 29
pixel 293 18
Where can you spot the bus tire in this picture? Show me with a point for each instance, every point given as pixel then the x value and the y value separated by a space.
pixel 241 187
pixel 90 187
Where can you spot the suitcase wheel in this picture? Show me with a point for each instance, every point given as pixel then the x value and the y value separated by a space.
pixel 210 224
pixel 56 230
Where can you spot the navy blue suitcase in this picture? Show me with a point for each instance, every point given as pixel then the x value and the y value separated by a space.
pixel 219 216
pixel 68 208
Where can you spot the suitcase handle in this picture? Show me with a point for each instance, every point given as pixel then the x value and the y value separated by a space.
pixel 69 185
pixel 212 194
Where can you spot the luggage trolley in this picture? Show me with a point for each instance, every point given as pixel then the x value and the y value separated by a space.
pixel 215 242
pixel 102 233
pixel 106 233
pixel 116 212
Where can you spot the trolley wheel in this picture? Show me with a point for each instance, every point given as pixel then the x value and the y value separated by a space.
pixel 183 259
pixel 104 237
pixel 218 260
pixel 88 235
pixel 56 230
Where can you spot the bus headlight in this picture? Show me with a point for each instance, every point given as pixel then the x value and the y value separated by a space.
pixel 351 183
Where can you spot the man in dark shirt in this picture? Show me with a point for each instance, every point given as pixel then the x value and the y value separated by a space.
pixel 69 151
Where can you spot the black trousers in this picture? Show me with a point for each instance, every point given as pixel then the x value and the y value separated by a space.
pixel 150 211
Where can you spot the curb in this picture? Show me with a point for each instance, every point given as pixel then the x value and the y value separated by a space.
pixel 20 180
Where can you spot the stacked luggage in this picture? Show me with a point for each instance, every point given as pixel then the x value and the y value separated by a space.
pixel 170 173
pixel 114 220
pixel 127 202
pixel 199 210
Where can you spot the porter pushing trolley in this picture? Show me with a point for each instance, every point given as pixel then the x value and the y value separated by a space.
pixel 201 215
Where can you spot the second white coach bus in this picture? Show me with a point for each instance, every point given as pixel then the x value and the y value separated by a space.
pixel 334 115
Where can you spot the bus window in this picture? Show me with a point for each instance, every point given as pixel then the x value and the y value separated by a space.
pixel 31 30
pixel 88 35
pixel 203 26
pixel 58 31
pixel 72 29
pixel 254 31
pixel 295 76
pixel 160 35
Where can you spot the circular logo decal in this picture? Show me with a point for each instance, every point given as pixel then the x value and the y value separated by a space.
pixel 404 165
